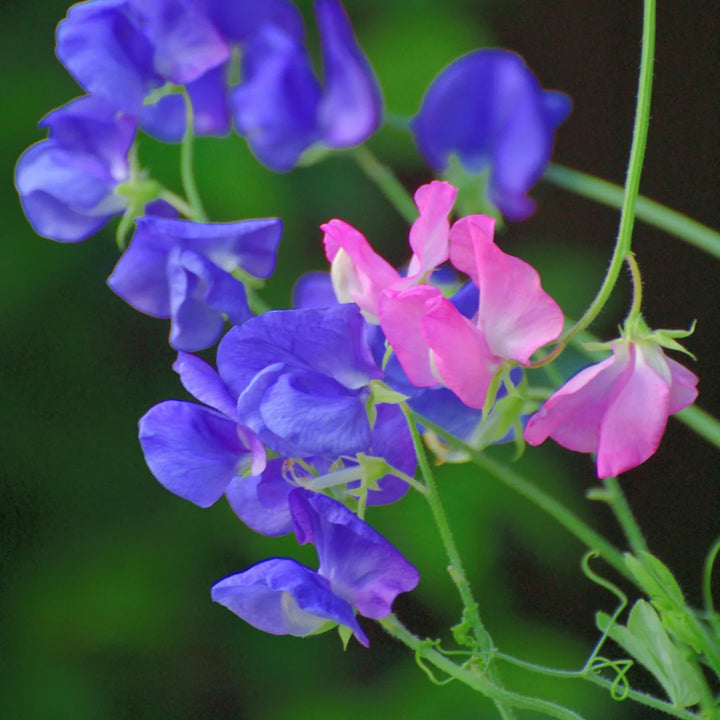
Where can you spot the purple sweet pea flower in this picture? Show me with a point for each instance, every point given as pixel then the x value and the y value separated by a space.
pixel 301 378
pixel 358 569
pixel 361 565
pixel 488 109
pixel 193 450
pixel 181 270
pixel 280 107
pixel 262 503
pixel 122 50
pixel 67 182
pixel 617 408
pixel 282 597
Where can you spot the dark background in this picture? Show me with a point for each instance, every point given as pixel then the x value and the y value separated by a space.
pixel 104 576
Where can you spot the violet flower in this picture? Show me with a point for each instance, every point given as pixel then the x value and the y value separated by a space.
pixel 488 109
pixel 301 378
pixel 67 182
pixel 122 50
pixel 182 270
pixel 617 408
pixel 358 569
pixel 280 106
pixel 196 450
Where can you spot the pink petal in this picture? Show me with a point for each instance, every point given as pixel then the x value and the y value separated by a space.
pixel 462 243
pixel 460 353
pixel 635 419
pixel 572 415
pixel 429 233
pixel 516 315
pixel 359 274
pixel 682 389
pixel 401 314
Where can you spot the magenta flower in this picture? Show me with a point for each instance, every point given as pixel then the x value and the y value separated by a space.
pixel 435 343
pixel 360 275
pixel 617 408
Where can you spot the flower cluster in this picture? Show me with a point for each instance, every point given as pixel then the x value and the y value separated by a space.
pixel 302 425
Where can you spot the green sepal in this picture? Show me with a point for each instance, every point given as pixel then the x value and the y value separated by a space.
pixel 329 625
pixel 345 635
pixel 472 197
pixel 371 470
pixel 382 393
pixel 313 155
pixel 647 641
pixel 666 338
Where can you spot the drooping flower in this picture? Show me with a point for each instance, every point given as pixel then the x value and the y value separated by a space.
pixel 487 109
pixel 194 450
pixel 182 270
pixel 359 570
pixel 301 378
pixel 280 106
pixel 617 408
pixel 67 182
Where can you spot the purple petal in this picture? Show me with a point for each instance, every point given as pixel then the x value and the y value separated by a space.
pixel 194 452
pixel 203 383
pixel 282 597
pixel 313 290
pixel 362 567
pixel 328 341
pixel 351 107
pixel 683 390
pixel 200 296
pixel 261 501
pixel 275 107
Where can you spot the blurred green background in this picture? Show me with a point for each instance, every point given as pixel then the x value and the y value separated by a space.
pixel 104 576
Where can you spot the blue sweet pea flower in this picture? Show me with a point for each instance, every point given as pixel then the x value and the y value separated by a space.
pixel 194 450
pixel 488 109
pixel 67 182
pixel 182 270
pixel 359 570
pixel 280 106
pixel 301 378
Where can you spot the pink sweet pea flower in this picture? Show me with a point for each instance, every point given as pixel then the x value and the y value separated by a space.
pixel 617 408
pixel 435 343
pixel 360 275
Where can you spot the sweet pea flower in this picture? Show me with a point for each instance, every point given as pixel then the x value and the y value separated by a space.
pixel 360 275
pixel 194 450
pixel 67 182
pixel 359 570
pixel 122 50
pixel 301 378
pixel 617 408
pixel 487 109
pixel 281 108
pixel 182 270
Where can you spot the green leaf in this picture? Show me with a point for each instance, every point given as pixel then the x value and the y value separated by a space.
pixel 657 581
pixel 647 641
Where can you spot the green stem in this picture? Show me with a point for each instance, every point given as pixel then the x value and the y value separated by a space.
pixel 702 423
pixel 649 211
pixel 707 585
pixel 177 202
pixel 472 677
pixel 595 679
pixel 632 183
pixel 636 286
pixel 457 572
pixel 186 165
pixel 384 178
pixel 615 498
pixel 516 482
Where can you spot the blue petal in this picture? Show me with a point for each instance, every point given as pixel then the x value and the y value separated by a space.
pixel 275 107
pixel 362 566
pixel 314 290
pixel 300 413
pixel 351 107
pixel 282 597
pixel 261 501
pixel 194 452
pixel 328 341
pixel 103 46
pixel 203 383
